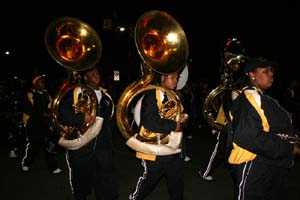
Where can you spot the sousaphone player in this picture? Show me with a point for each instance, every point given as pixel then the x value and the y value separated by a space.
pixel 163 47
pixel 83 110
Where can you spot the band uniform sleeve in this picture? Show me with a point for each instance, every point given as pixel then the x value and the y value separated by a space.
pixel 150 117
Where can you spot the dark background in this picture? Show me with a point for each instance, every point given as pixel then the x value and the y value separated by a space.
pixel 267 29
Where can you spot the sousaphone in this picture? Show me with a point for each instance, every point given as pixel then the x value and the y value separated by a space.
pixel 76 46
pixel 216 104
pixel 163 47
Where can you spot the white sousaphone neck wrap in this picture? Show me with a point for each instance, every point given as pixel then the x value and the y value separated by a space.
pixel 90 134
pixel 172 147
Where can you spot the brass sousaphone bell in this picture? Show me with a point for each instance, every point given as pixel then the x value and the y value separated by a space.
pixel 163 47
pixel 76 46
pixel 214 104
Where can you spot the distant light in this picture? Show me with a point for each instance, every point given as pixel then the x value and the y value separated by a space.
pixel 7 53
pixel 121 28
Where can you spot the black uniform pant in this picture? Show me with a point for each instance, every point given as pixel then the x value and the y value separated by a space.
pixel 36 142
pixel 92 170
pixel 170 167
pixel 218 156
pixel 258 181
pixel 16 135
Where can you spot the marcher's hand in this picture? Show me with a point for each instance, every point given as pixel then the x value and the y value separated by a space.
pixel 184 117
pixel 89 119
pixel 296 150
pixel 178 127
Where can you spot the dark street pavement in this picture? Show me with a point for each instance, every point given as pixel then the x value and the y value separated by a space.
pixel 38 184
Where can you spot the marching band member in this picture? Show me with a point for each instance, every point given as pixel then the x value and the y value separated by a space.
pixel 260 159
pixel 157 166
pixel 90 157
pixel 37 124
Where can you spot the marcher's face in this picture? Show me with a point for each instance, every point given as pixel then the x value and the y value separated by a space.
pixel 93 77
pixel 262 77
pixel 40 85
pixel 169 81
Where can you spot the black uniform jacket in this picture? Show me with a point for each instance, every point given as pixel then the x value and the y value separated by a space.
pixel 257 119
pixel 150 117
pixel 105 109
pixel 36 109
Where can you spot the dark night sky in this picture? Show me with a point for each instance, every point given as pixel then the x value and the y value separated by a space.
pixel 269 30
